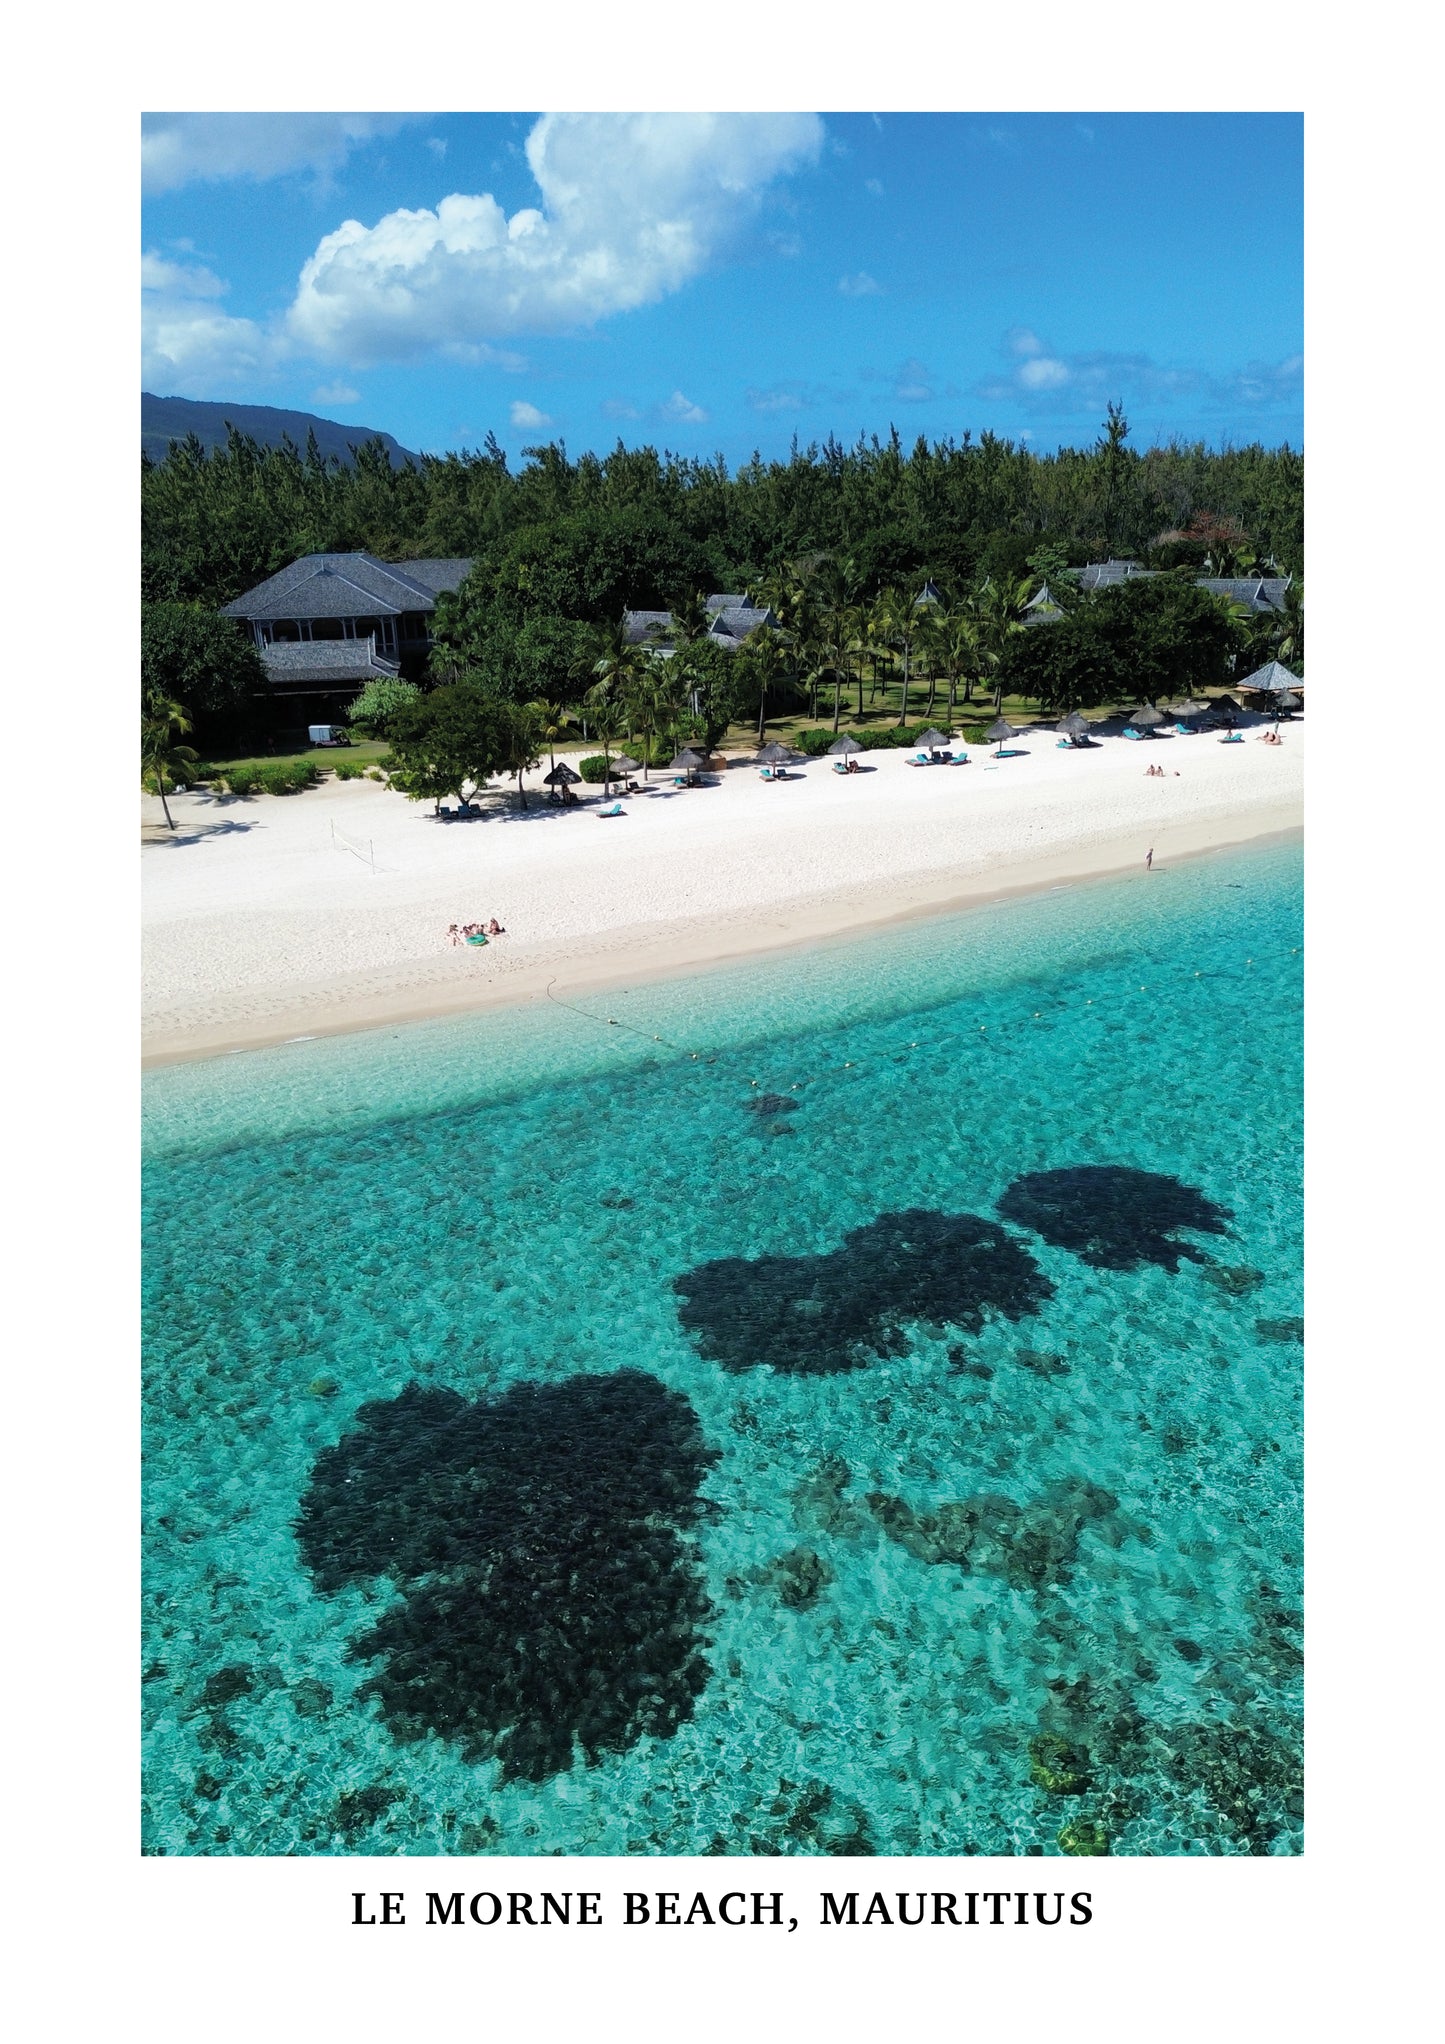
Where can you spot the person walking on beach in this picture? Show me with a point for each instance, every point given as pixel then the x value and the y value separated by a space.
pixel 1149 860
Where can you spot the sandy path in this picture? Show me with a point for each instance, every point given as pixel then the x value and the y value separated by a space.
pixel 258 926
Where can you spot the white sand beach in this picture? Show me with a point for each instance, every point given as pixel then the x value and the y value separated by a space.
pixel 260 924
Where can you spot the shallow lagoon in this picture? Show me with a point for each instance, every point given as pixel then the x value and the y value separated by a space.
pixel 985 1585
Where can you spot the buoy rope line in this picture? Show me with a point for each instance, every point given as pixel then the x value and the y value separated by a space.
pixel 846 1064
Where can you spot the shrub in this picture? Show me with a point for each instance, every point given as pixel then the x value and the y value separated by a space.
pixel 243 780
pixel 593 768
pixel 975 734
pixel 288 777
pixel 348 770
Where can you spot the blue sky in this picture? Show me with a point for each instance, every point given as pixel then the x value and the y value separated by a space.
pixel 719 283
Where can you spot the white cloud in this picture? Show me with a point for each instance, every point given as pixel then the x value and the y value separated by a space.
pixel 859 285
pixel 913 384
pixel 1056 384
pixel 527 416
pixel 182 149
pixel 632 207
pixel 1043 372
pixel 682 410
pixel 437 145
pixel 786 244
pixel 190 347
pixel 336 394
pixel 619 408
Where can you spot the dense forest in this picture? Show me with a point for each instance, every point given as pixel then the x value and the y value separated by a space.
pixel 837 540
pixel 634 526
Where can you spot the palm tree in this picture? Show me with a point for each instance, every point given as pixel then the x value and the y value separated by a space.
pixel 162 722
pixel 953 650
pixel 651 702
pixel 999 608
pixel 1289 629
pixel 553 724
pixel 616 660
pixel 606 720
pixel 902 620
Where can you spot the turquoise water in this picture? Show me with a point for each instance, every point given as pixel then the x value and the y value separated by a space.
pixel 628 1578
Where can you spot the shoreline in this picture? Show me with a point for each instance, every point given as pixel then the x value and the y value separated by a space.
pixel 639 952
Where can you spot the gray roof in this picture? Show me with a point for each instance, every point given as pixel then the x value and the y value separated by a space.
pixel 344 585
pixel 1271 678
pixel 1099 574
pixel 727 602
pixel 647 627
pixel 1042 609
pixel 1258 592
pixel 733 624
pixel 435 575
pixel 325 663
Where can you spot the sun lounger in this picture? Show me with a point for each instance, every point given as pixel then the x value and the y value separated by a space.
pixel 1130 732
pixel 1232 738
pixel 839 767
pixel 616 810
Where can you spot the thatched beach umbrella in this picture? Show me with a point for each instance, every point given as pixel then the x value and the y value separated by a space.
pixel 845 745
pixel 1287 700
pixel 1188 708
pixel 1001 729
pixel 1144 717
pixel 1074 727
pixel 774 755
pixel 687 762
pixel 560 777
pixel 931 740
pixel 622 766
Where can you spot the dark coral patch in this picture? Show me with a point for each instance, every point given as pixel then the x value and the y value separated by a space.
pixel 550 1596
pixel 1112 1216
pixel 817 1314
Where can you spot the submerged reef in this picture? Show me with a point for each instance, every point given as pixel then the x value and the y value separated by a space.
pixel 1114 1217
pixel 1031 1546
pixel 812 1315
pixel 550 1595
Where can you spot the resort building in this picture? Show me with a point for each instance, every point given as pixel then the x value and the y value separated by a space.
pixel 330 623
pixel 730 619
pixel 1257 592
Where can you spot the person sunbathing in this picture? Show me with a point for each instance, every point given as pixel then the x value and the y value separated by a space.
pixel 494 928
pixel 454 933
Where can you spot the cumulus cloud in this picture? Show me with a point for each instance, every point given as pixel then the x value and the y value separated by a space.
pixel 182 149
pixel 527 416
pixel 190 346
pixel 632 207
pixel 336 394
pixel 1043 372
pixel 859 285
pixel 682 410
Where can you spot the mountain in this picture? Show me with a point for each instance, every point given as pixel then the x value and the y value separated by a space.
pixel 163 419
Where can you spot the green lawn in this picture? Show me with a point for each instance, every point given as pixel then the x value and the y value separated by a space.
pixel 363 752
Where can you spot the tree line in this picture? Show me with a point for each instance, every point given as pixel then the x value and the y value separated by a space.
pixel 837 542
